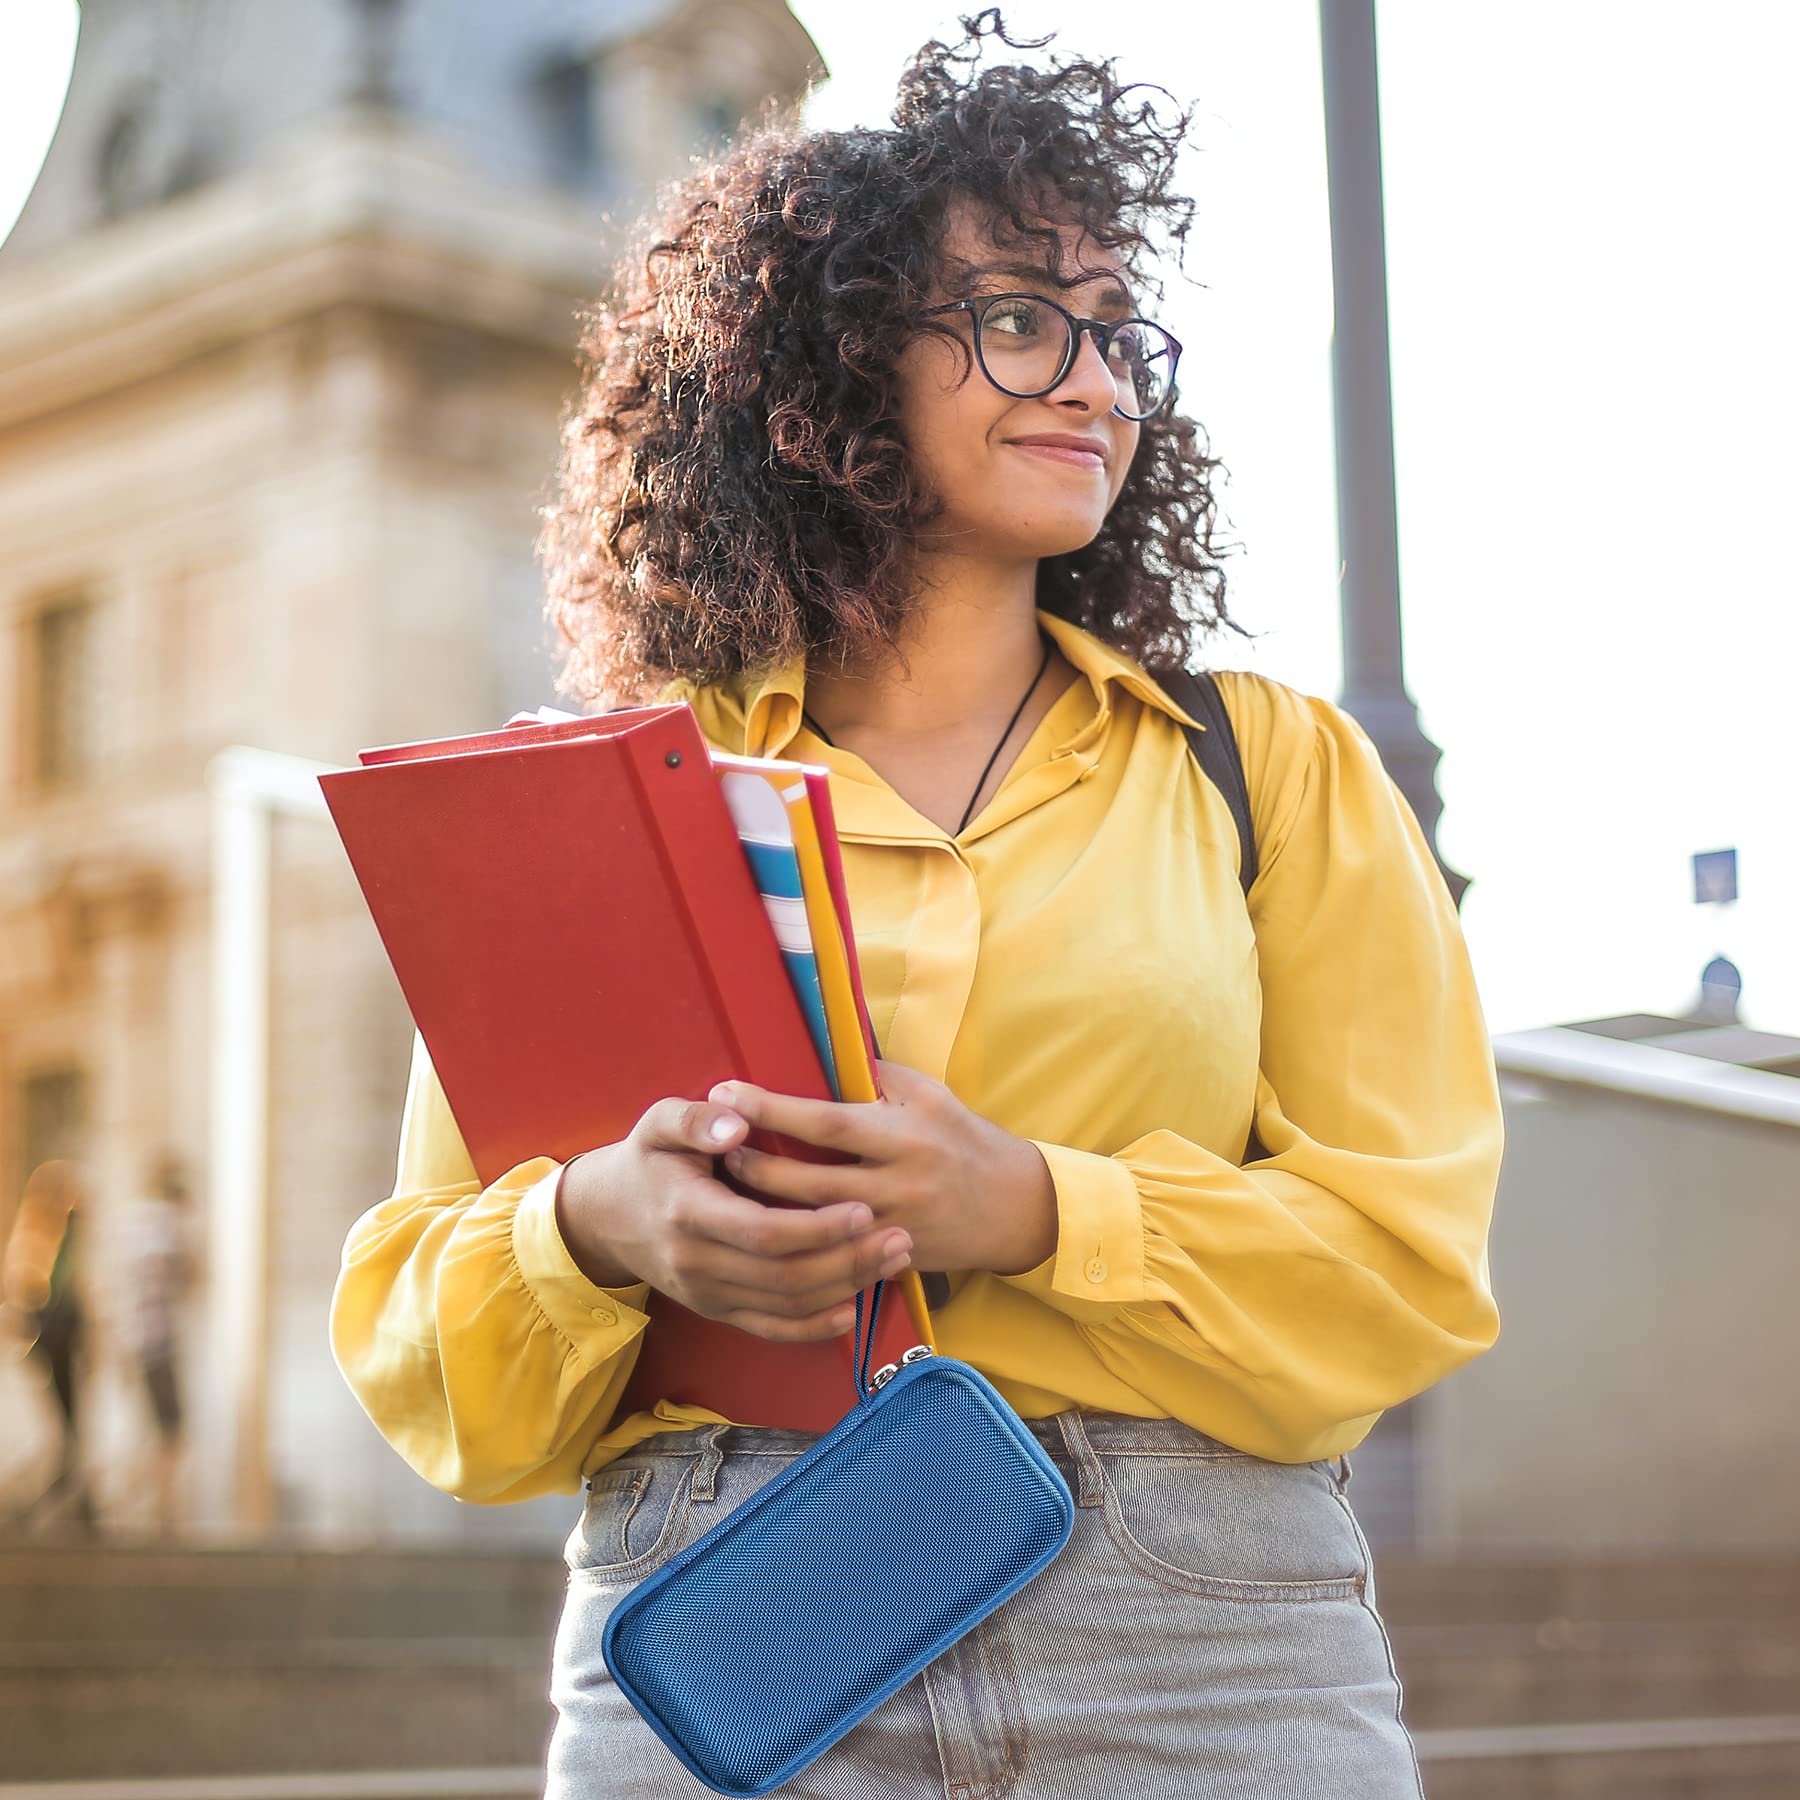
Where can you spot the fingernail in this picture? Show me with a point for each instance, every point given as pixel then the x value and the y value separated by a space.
pixel 861 1218
pixel 722 1128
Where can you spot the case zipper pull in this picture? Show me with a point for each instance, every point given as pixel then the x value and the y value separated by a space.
pixel 888 1371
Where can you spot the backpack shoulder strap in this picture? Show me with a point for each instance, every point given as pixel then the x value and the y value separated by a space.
pixel 1216 750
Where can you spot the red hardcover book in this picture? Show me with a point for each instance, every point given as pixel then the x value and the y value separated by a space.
pixel 576 930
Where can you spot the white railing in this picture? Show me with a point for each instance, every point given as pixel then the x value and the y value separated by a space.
pixel 1646 1071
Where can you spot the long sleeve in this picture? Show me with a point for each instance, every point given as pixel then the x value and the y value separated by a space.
pixel 474 1343
pixel 1289 1302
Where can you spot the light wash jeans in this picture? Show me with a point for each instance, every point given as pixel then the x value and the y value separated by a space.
pixel 1208 1633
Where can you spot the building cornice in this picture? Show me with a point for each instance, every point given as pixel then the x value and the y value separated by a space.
pixel 354 210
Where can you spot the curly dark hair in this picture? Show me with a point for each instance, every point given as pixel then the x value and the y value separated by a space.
pixel 734 488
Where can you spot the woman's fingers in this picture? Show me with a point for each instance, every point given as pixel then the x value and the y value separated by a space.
pixel 707 1209
pixel 787 1178
pixel 800 1286
pixel 778 1260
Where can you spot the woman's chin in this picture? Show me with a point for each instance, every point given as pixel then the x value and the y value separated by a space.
pixel 1057 534
pixel 1067 543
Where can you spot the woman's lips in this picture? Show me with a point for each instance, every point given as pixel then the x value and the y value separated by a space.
pixel 1062 453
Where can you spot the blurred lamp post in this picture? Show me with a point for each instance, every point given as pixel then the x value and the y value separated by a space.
pixel 37 58
pixel 1374 670
pixel 377 23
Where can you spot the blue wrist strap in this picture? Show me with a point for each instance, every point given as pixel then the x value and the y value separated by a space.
pixel 865 1347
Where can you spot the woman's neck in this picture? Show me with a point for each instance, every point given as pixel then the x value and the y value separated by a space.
pixel 970 651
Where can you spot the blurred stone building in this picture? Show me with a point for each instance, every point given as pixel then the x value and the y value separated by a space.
pixel 285 334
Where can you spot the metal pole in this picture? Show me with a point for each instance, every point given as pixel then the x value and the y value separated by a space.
pixel 1374 690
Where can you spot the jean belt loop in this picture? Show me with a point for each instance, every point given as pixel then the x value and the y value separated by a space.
pixel 704 1484
pixel 1087 1464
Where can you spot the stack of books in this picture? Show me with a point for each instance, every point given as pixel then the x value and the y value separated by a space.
pixel 587 914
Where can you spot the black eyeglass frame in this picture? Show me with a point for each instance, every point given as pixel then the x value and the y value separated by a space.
pixel 1101 330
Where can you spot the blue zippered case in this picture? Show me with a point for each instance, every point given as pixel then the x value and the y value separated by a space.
pixel 762 1643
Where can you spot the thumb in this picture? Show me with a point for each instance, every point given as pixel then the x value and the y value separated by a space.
pixel 689 1127
pixel 716 1128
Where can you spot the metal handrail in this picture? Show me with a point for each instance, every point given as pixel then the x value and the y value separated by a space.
pixel 1619 1066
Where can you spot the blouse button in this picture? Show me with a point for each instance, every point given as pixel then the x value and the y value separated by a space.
pixel 1096 1270
pixel 603 1315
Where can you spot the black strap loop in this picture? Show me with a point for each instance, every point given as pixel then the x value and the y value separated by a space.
pixel 1216 750
pixel 865 1348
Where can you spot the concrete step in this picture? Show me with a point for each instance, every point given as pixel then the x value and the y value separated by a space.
pixel 110 1595
pixel 193 1665
pixel 1694 1759
pixel 116 1661
pixel 217 1717
pixel 1502 1644
pixel 198 1659
pixel 1669 1759
pixel 1415 1590
pixel 523 1783
pixel 1468 1676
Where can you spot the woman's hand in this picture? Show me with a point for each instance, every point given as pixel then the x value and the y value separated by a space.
pixel 649 1208
pixel 969 1194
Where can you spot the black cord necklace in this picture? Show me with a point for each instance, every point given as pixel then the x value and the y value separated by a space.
pixel 813 724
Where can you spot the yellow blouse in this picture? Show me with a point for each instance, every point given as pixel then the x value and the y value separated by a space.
pixel 1079 966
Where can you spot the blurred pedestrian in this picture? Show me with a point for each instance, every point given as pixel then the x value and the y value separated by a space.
pixel 155 1261
pixel 41 1279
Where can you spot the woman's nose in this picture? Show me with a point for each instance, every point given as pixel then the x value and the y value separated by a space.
pixel 1089 380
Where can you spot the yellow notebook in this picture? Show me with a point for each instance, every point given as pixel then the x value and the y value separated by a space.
pixel 855 1076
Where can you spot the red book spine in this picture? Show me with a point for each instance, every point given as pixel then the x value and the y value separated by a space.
pixel 704 1362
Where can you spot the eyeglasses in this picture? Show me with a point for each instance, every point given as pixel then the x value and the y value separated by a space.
pixel 1027 344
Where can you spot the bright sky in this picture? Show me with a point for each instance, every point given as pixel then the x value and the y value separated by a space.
pixel 1596 378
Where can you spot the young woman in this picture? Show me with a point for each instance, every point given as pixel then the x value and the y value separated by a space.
pixel 876 463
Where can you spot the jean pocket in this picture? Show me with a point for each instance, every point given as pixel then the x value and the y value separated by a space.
pixel 632 1520
pixel 1232 1527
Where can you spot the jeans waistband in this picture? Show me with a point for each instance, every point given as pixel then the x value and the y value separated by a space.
pixel 1105 1431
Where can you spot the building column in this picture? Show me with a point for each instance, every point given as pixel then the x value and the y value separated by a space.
pixel 248 786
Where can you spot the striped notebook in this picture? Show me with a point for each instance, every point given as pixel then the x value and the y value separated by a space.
pixel 758 797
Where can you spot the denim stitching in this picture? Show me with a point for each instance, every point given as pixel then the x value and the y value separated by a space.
pixel 996 1646
pixel 1175 1452
pixel 1387 1646
pixel 640 1481
pixel 1160 1455
pixel 629 1572
pixel 1219 1587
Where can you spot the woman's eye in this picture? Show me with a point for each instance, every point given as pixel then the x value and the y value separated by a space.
pixel 1013 318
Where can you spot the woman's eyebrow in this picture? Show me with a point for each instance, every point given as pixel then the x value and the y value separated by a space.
pixel 1115 298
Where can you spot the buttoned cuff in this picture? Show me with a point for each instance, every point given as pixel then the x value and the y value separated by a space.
pixel 1098 1263
pixel 598 1321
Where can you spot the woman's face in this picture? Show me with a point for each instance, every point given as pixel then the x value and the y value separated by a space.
pixel 1001 495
